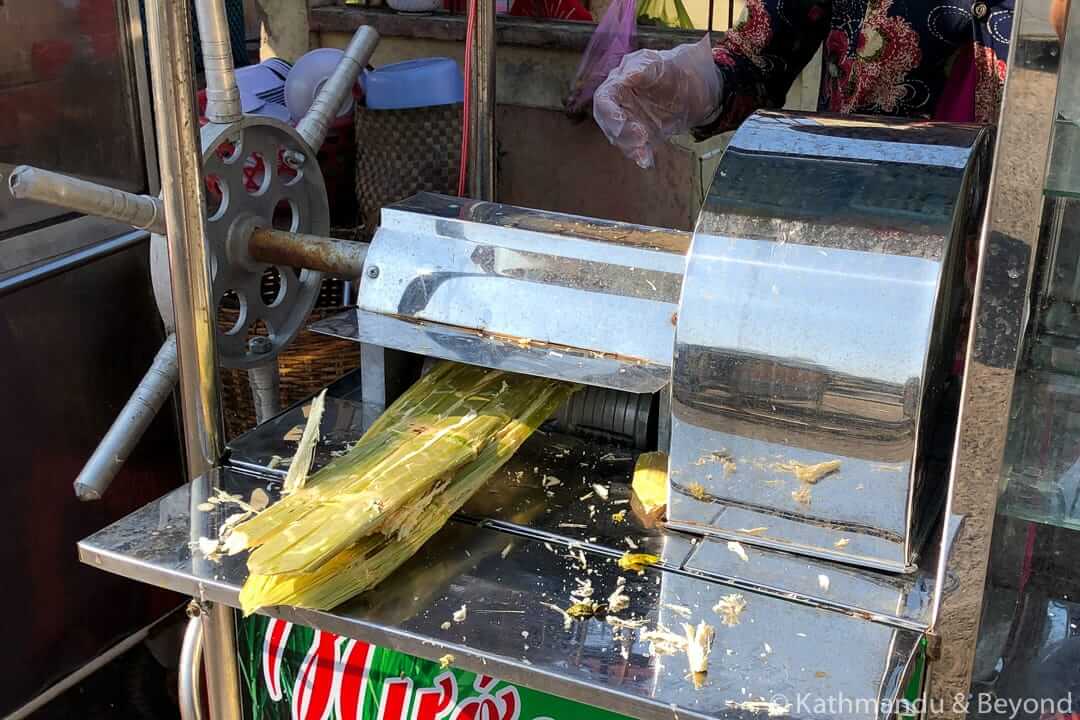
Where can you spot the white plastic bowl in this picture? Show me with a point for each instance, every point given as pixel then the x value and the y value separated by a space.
pixel 307 77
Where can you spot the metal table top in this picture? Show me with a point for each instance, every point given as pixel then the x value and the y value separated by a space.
pixel 510 551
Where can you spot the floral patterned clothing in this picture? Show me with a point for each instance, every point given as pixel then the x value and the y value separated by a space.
pixel 932 59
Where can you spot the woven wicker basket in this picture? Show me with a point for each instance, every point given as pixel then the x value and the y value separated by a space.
pixel 308 364
pixel 402 152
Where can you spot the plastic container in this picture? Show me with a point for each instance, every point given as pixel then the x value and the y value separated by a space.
pixel 307 77
pixel 425 82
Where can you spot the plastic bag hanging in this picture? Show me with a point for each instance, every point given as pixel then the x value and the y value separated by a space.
pixel 612 39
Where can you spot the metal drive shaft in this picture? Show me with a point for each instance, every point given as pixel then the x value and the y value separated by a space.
pixel 314 125
pixel 342 258
pixel 142 211
pixel 130 425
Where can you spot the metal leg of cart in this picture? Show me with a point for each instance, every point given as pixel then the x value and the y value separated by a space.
pixel 185 212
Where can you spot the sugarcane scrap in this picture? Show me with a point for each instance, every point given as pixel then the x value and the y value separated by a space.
pixel 446 625
pixel 618 600
pixel 460 614
pixel 698 646
pixel 802 495
pixel 809 474
pixel 583 590
pixel 729 608
pixel 568 621
pixel 738 549
pixel 663 642
pixel 601 491
pixel 618 517
pixel 841 543
pixel 296 478
pixel 631 624
pixel 680 610
pixel 446 661
pixel 696 490
pixel 755 531
pixel 760 706
pixel 585 609
pixel 637 562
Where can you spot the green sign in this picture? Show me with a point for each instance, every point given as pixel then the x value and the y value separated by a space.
pixel 292 672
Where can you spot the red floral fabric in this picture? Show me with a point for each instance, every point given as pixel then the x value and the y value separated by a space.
pixel 886 57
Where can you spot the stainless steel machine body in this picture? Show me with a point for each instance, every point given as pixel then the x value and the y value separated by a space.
pixel 818 323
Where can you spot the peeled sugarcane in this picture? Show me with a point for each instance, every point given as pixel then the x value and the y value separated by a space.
pixel 399 485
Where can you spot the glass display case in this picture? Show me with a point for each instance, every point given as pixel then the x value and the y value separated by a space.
pixel 1027 662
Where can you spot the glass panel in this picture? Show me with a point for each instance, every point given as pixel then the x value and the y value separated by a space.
pixel 67 98
pixel 1028 654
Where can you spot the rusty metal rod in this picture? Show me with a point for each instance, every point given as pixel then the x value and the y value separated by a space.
pixel 343 258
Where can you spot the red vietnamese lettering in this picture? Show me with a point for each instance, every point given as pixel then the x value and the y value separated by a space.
pixel 395 699
pixel 437 702
pixel 315 681
pixel 353 669
pixel 274 641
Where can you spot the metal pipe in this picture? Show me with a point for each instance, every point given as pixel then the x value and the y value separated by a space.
pixel 169 29
pixel 315 124
pixel 1008 249
pixel 481 161
pixel 343 258
pixel 189 677
pixel 130 425
pixel 142 211
pixel 82 673
pixel 222 93
pixel 265 381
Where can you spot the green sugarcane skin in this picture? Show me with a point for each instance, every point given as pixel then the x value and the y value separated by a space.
pixel 416 464
pixel 373 447
pixel 365 564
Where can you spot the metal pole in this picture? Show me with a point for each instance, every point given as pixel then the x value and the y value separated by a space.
pixel 89 198
pixel 130 425
pixel 314 125
pixel 180 159
pixel 265 381
pixel 1008 248
pixel 482 113
pixel 222 94
pixel 343 258
pixel 190 670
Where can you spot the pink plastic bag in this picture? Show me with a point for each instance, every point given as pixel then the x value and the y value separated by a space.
pixel 613 38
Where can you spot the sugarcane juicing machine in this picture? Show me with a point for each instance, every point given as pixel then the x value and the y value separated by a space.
pixel 796 356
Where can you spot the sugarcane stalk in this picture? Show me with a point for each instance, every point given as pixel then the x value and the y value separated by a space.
pixel 364 564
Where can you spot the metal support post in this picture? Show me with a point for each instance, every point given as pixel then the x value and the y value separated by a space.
pixel 185 211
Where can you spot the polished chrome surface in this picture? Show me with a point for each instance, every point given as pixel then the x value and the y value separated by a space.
pixel 222 93
pixel 904 600
pixel 124 434
pixel 189 673
pixel 30 183
pixel 1011 240
pixel 781 650
pixel 527 284
pixel 478 348
pixel 236 274
pixel 817 323
pixel 337 88
pixel 194 304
